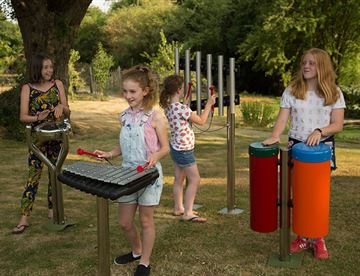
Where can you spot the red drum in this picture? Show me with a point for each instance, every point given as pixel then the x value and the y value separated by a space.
pixel 263 187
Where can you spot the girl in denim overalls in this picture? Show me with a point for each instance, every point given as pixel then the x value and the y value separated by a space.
pixel 143 141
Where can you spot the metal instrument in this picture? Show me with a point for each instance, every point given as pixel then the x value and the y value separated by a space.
pixel 106 182
pixel 48 131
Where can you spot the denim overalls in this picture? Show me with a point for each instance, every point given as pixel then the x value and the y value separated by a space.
pixel 132 144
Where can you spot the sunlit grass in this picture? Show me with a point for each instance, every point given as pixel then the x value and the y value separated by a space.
pixel 225 245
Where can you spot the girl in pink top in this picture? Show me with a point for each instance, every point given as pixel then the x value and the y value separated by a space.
pixel 143 140
pixel 182 143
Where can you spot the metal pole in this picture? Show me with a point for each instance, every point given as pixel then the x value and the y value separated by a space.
pixel 284 207
pixel 187 71
pixel 231 141
pixel 177 58
pixel 208 76
pixel 232 85
pixel 103 236
pixel 198 82
pixel 220 85
pixel 208 73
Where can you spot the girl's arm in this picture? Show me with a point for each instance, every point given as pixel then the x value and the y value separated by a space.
pixel 160 124
pixel 200 120
pixel 279 127
pixel 335 126
pixel 24 108
pixel 63 106
pixel 108 154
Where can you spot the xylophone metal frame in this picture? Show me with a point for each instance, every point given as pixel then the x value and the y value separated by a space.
pixel 59 222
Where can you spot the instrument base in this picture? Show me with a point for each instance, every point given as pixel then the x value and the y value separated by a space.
pixel 294 261
pixel 235 211
pixel 54 227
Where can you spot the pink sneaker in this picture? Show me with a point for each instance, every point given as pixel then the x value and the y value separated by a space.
pixel 320 251
pixel 299 245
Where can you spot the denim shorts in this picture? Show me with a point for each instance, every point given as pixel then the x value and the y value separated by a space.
pixel 182 158
pixel 148 196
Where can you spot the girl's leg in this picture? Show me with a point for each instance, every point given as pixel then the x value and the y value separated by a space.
pixel 148 232
pixel 32 184
pixel 127 224
pixel 192 173
pixel 178 188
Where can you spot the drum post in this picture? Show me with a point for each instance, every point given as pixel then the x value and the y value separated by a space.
pixel 284 207
pixel 284 258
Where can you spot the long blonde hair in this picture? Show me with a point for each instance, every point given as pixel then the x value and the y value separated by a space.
pixel 325 76
pixel 146 79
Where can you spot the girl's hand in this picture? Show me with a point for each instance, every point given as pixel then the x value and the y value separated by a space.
pixel 151 161
pixel 42 115
pixel 58 111
pixel 314 138
pixel 270 141
pixel 211 100
pixel 103 154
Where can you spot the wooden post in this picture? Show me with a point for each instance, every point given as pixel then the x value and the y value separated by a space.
pixel 103 236
pixel 91 80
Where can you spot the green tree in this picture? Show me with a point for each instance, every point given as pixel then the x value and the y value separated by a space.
pixel 49 27
pixel 75 80
pixel 123 3
pixel 91 32
pixel 101 65
pixel 11 49
pixel 283 29
pixel 163 61
pixel 200 25
pixel 133 30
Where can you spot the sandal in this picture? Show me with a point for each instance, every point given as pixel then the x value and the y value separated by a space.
pixel 178 213
pixel 195 219
pixel 19 229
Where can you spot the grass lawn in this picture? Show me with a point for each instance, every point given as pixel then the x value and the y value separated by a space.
pixel 225 245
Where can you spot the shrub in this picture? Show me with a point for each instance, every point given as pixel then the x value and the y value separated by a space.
pixel 257 114
pixel 101 63
pixel 352 100
pixel 9 113
pixel 75 80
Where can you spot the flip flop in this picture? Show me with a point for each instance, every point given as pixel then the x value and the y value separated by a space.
pixel 178 214
pixel 19 229
pixel 195 219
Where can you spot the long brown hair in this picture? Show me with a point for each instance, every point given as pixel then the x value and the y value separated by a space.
pixel 325 76
pixel 36 65
pixel 146 79
pixel 170 87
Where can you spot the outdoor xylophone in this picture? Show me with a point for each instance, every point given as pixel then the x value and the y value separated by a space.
pixel 107 181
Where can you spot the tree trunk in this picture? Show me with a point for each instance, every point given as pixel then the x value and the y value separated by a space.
pixel 49 27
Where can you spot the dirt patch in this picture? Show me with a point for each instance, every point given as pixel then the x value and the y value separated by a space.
pixel 95 116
